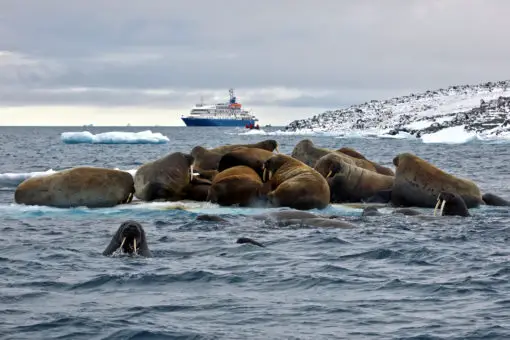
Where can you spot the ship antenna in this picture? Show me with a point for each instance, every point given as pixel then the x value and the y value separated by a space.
pixel 232 97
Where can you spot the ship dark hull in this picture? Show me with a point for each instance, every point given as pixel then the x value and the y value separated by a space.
pixel 218 122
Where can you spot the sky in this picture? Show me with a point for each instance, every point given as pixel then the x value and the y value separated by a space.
pixel 112 62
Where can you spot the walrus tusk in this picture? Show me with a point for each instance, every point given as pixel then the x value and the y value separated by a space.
pixel 134 246
pixel 442 208
pixel 129 198
pixel 270 174
pixel 264 175
pixel 437 205
pixel 123 240
pixel 191 172
pixel 276 149
pixel 329 174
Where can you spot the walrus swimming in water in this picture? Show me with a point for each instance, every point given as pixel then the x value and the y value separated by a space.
pixel 302 218
pixel 237 185
pixel 418 183
pixel 81 186
pixel 348 182
pixel 251 157
pixel 165 178
pixel 378 168
pixel 295 184
pixel 130 238
pixel 208 159
pixel 243 240
pixel 451 204
pixel 494 200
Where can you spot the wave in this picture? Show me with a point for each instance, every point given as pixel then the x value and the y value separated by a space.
pixel 138 207
pixel 13 179
pixel 114 137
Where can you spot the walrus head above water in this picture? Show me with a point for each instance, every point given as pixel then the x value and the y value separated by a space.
pixel 451 204
pixel 130 238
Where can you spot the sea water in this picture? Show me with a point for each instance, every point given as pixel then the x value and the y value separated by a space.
pixel 391 277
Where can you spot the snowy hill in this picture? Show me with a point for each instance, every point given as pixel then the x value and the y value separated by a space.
pixel 473 110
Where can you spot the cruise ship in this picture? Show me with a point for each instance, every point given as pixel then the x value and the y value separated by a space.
pixel 222 114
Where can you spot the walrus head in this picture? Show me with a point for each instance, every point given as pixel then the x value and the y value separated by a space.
pixel 271 165
pixel 130 238
pixel 269 145
pixel 132 235
pixel 451 204
pixel 329 166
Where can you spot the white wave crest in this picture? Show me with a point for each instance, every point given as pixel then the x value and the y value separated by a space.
pixel 114 137
pixel 452 135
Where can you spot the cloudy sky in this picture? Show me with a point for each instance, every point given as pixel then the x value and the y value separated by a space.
pixel 145 62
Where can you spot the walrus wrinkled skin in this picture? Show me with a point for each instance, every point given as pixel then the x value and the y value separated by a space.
pixel 418 183
pixel 164 179
pixel 237 185
pixel 348 182
pixel 451 204
pixel 208 159
pixel 294 184
pixel 81 186
pixel 378 168
pixel 251 157
pixel 494 200
pixel 130 237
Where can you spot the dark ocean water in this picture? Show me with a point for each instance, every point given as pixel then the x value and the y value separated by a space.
pixel 392 277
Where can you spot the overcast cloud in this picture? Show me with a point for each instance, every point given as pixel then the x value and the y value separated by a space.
pixel 292 53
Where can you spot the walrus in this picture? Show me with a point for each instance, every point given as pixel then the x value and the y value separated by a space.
pixel 294 184
pixel 494 200
pixel 164 179
pixel 81 186
pixel 371 211
pixel 406 211
pixel 243 240
pixel 237 185
pixel 198 189
pixel 208 159
pixel 268 144
pixel 418 183
pixel 378 168
pixel 348 182
pixel 308 153
pixel 251 157
pixel 302 218
pixel 130 238
pixel 451 204
pixel 210 218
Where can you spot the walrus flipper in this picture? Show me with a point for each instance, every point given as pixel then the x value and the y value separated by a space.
pixel 114 243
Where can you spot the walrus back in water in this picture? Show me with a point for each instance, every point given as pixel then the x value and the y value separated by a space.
pixel 81 186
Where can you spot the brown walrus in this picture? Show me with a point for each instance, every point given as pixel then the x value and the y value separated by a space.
pixel 164 179
pixel 295 184
pixel 251 157
pixel 418 183
pixel 378 168
pixel 348 182
pixel 208 159
pixel 81 186
pixel 308 153
pixel 237 185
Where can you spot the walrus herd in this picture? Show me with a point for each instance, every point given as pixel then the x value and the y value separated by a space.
pixel 257 174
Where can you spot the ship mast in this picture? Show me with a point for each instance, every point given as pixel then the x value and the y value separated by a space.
pixel 232 97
